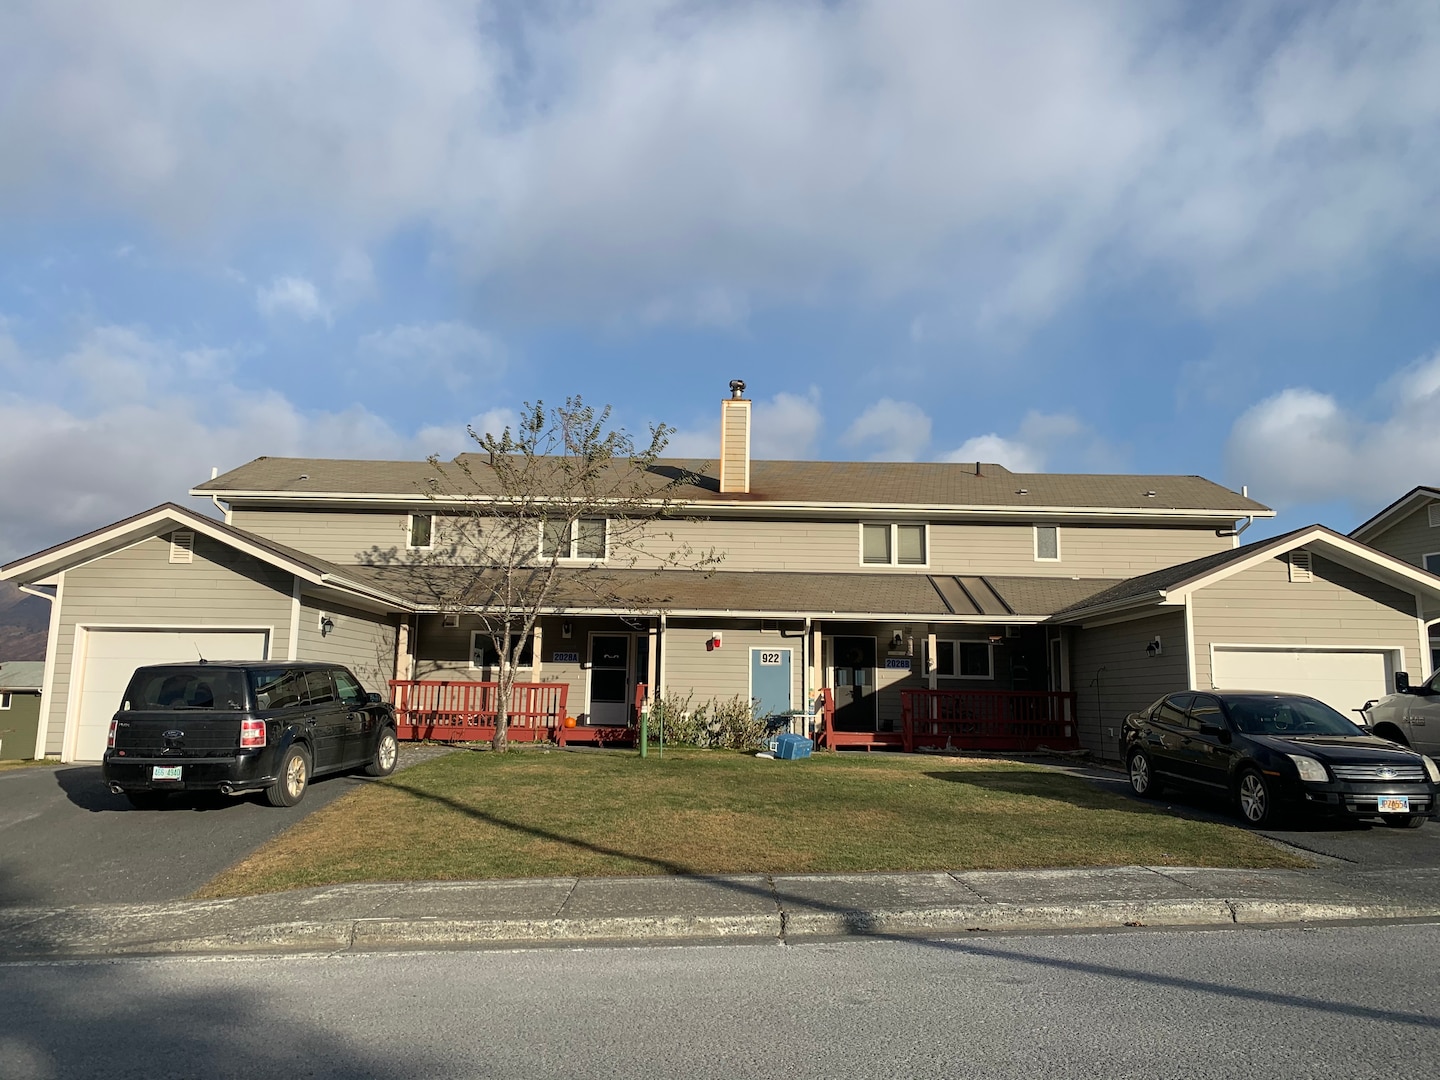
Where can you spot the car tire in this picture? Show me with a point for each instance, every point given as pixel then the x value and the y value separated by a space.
pixel 387 753
pixel 293 779
pixel 1255 799
pixel 1142 775
pixel 147 800
pixel 1403 821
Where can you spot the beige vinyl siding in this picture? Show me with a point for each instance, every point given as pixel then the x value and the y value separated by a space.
pixel 140 586
pixel 1112 676
pixel 338 536
pixel 822 546
pixel 1262 606
pixel 361 641
pixel 1411 538
pixel 718 675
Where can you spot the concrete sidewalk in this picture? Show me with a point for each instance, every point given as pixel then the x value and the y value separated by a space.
pixel 742 907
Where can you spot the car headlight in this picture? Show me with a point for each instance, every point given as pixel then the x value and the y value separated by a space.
pixel 1310 769
pixel 1432 769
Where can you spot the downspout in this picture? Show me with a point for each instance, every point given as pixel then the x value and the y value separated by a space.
pixel 1249 518
pixel 225 510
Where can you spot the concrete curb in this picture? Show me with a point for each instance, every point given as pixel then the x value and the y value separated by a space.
pixel 370 934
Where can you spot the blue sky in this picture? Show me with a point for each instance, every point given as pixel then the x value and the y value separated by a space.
pixel 1148 236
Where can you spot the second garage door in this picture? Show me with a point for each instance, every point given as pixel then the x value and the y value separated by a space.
pixel 1342 678
pixel 111 657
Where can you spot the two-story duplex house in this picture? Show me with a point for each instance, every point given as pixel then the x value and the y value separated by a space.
pixel 925 598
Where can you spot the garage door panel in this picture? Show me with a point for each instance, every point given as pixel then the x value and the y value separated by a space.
pixel 111 657
pixel 1342 678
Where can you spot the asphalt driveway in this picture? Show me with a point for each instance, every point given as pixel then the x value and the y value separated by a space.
pixel 1365 845
pixel 64 839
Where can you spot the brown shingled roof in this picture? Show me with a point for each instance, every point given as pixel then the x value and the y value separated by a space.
pixel 847 483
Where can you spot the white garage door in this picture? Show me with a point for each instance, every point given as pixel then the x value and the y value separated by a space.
pixel 1342 678
pixel 111 657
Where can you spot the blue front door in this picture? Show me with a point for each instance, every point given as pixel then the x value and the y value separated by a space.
pixel 770 681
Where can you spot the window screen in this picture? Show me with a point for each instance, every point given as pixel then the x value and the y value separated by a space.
pixel 911 544
pixel 876 544
pixel 975 660
pixel 555 537
pixel 420 530
pixel 590 538
pixel 1432 562
pixel 484 655
pixel 1047 542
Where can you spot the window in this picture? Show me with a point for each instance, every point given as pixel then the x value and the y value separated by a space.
pixel 582 539
pixel 1432 561
pixel 451 621
pixel 964 660
pixel 1206 712
pixel 5 700
pixel 483 654
pixel 1047 543
pixel 893 545
pixel 351 692
pixel 421 529
pixel 1174 711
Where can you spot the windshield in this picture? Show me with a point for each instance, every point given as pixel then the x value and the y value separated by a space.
pixel 186 688
pixel 1287 716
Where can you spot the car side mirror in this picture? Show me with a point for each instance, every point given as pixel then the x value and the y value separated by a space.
pixel 372 698
pixel 1402 682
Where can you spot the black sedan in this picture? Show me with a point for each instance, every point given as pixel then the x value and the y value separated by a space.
pixel 1276 752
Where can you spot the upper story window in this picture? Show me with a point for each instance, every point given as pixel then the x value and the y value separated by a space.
pixel 5 700
pixel 1047 543
pixel 583 539
pixel 1432 562
pixel 964 660
pixel 893 545
pixel 421 529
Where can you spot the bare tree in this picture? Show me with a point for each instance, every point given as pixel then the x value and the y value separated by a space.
pixel 546 502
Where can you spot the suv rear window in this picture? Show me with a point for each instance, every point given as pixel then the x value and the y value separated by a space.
pixel 185 688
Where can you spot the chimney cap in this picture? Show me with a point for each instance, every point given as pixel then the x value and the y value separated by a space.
pixel 737 387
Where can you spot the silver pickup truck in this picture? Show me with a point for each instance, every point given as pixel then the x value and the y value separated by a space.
pixel 1410 716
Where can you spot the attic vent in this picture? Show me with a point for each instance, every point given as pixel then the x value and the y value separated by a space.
pixel 450 621
pixel 1300 566
pixel 770 626
pixel 1434 511
pixel 182 546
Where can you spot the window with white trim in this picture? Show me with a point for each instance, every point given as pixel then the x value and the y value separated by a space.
pixel 585 539
pixel 4 700
pixel 964 660
pixel 894 545
pixel 485 657
pixel 1432 562
pixel 1047 543
pixel 420 532
pixel 450 621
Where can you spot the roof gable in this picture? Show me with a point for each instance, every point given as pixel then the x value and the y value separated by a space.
pixel 1394 513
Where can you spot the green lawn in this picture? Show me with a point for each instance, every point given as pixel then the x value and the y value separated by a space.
pixel 536 814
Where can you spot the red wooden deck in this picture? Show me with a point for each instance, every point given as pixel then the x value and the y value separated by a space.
pixel 465 711
pixel 961 720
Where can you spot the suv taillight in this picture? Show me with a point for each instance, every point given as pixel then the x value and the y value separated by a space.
pixel 110 739
pixel 252 734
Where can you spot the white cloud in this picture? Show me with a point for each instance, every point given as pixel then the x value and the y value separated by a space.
pixel 784 428
pixel 1042 439
pixel 145 420
pixel 1302 445
pixel 295 297
pixel 452 352
pixel 666 160
pixel 901 430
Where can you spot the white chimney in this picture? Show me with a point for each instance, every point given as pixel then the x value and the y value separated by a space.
pixel 735 440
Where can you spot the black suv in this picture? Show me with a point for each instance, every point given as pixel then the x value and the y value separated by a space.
pixel 241 727
pixel 1271 752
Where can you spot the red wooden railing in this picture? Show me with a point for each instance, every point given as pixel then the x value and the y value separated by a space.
pixel 988 720
pixel 465 711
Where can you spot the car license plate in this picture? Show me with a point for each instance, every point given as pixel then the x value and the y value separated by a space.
pixel 1394 804
pixel 165 772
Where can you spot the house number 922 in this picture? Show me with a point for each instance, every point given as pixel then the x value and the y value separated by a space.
pixel 769 659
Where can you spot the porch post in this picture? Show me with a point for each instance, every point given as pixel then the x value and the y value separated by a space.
pixel 659 660
pixel 404 651
pixel 817 663
pixel 535 654
pixel 932 669
pixel 651 660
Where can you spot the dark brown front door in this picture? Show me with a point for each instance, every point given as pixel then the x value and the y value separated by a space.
pixel 854 686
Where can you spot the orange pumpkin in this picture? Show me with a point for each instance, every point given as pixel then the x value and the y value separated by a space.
pixel 569 721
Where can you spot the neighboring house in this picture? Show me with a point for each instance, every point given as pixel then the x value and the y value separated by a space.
pixel 920 595
pixel 20 684
pixel 1409 529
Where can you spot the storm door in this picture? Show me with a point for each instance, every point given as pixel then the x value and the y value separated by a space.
pixel 852 681
pixel 611 685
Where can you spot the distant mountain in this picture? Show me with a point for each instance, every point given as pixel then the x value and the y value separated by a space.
pixel 24 624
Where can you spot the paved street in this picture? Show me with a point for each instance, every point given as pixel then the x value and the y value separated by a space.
pixel 1329 1001
pixel 64 839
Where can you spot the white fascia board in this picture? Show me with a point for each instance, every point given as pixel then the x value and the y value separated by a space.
pixel 834 616
pixel 1401 507
pixel 756 509
pixel 1084 616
